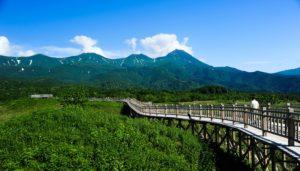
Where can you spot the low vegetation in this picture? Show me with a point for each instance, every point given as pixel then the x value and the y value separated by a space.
pixel 94 137
pixel 214 94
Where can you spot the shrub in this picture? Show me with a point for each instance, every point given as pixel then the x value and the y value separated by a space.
pixel 97 138
pixel 73 96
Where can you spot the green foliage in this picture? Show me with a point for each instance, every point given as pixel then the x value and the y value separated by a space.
pixel 74 95
pixel 25 106
pixel 212 90
pixel 15 89
pixel 97 138
pixel 176 71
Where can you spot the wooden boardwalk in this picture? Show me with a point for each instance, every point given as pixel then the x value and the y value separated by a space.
pixel 279 128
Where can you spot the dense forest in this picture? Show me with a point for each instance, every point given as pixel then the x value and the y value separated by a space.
pixel 177 70
pixel 11 89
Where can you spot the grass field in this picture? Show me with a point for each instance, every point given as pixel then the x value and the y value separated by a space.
pixel 40 134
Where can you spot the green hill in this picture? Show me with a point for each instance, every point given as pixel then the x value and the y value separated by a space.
pixel 97 137
pixel 290 72
pixel 176 71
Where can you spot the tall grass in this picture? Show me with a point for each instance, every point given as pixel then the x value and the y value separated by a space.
pixel 97 137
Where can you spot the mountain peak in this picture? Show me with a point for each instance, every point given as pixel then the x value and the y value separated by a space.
pixel 140 56
pixel 90 54
pixel 179 52
pixel 39 56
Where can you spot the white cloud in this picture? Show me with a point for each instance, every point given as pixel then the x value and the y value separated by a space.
pixel 4 46
pixel 60 51
pixel 162 44
pixel 26 53
pixel 132 43
pixel 88 44
pixel 153 46
pixel 8 49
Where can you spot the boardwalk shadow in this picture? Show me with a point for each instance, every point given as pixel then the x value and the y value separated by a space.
pixel 226 161
pixel 125 110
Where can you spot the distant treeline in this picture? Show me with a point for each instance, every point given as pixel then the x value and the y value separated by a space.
pixel 10 89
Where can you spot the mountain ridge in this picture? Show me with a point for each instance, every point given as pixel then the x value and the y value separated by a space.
pixel 290 72
pixel 177 70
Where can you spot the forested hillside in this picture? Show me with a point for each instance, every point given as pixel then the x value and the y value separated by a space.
pixel 176 71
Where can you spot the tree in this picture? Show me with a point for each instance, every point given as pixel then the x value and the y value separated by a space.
pixel 73 96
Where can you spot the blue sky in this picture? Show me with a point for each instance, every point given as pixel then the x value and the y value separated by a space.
pixel 247 34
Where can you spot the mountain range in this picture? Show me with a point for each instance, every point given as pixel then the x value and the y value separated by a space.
pixel 290 72
pixel 177 70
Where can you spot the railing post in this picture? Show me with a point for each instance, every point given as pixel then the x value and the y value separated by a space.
pixel 222 112
pixel 200 111
pixel 290 125
pixel 245 117
pixel 264 122
pixel 211 112
pixel 166 110
pixel 149 110
pixel 269 106
pixel 190 112
pixel 176 111
pixel 156 111
pixel 233 114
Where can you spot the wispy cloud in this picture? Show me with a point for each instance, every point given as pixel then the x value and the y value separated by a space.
pixel 132 43
pixel 8 49
pixel 4 46
pixel 162 44
pixel 59 51
pixel 153 46
pixel 88 45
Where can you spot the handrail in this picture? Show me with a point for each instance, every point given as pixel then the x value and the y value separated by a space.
pixel 285 123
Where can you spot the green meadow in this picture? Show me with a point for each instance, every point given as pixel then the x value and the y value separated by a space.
pixel 41 134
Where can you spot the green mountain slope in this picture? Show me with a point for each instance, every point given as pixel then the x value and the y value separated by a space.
pixel 290 72
pixel 176 71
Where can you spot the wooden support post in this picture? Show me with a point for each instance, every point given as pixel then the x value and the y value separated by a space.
pixel 250 148
pixel 252 144
pixel 240 143
pixel 130 112
pixel 290 126
pixel 216 133
pixel 284 162
pixel 192 127
pixel 156 110
pixel 222 113
pixel 227 140
pixel 245 117
pixel 265 156
pixel 233 137
pixel 272 158
pixel 204 131
pixel 264 123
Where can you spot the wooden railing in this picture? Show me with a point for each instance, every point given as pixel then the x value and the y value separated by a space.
pixel 282 122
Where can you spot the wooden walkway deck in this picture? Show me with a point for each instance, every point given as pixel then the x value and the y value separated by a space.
pixel 277 127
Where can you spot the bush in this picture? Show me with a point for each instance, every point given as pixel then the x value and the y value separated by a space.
pixel 97 138
pixel 73 96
